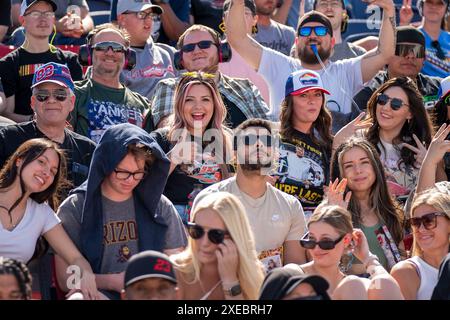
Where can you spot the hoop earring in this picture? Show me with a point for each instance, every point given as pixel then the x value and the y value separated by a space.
pixel 222 26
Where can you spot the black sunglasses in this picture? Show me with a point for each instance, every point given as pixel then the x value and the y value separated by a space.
pixel 250 139
pixel 44 95
pixel 428 220
pixel 124 175
pixel 396 103
pixel 106 45
pixel 403 50
pixel 439 52
pixel 205 44
pixel 306 243
pixel 196 232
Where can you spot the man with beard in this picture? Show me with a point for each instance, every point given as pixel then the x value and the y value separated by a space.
pixel 315 38
pixel 102 100
pixel 407 62
pixel 270 33
pixel 18 67
pixel 276 218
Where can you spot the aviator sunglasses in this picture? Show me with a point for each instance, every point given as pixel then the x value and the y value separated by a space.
pixel 196 232
pixel 428 220
pixel 43 95
pixel 307 243
pixel 396 103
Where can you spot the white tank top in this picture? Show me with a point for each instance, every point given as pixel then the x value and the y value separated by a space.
pixel 428 276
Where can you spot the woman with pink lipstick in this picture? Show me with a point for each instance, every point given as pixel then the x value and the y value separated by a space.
pixel 373 209
pixel 430 221
pixel 196 140
pixel 220 261
pixel 29 183
pixel 330 234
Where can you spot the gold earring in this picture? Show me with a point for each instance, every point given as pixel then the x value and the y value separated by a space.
pixel 222 26
pixel 254 29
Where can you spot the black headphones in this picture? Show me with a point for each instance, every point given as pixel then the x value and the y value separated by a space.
pixel 85 54
pixel 224 55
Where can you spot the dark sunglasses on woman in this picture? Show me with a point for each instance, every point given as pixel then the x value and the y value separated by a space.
pixel 106 45
pixel 396 103
pixel 307 243
pixel 43 95
pixel 196 232
pixel 428 220
pixel 205 44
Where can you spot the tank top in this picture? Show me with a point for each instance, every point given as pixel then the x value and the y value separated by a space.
pixel 428 276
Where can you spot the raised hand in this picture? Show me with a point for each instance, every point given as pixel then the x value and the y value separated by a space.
pixel 420 151
pixel 350 129
pixel 387 6
pixel 360 245
pixel 439 145
pixel 406 13
pixel 335 193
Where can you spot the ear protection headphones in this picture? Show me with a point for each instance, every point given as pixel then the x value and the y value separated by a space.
pixel 223 48
pixel 85 54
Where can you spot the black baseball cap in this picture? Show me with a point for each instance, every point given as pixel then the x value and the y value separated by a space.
pixel 28 3
pixel 281 281
pixel 410 34
pixel 315 16
pixel 149 264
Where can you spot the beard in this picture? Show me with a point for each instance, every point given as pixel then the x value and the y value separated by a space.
pixel 306 54
pixel 102 71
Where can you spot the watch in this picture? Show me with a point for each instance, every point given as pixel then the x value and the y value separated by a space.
pixel 233 291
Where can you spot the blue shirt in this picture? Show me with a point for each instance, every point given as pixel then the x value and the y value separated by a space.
pixel 433 66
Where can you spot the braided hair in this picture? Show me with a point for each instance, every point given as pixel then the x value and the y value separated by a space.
pixel 20 271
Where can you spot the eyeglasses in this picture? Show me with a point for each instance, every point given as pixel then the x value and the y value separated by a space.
pixel 43 95
pixel 124 175
pixel 205 44
pixel 250 139
pixel 196 232
pixel 142 15
pixel 396 103
pixel 306 243
pixel 439 52
pixel 39 14
pixel 320 31
pixel 403 50
pixel 428 220
pixel 106 45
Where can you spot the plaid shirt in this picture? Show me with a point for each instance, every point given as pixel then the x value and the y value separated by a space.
pixel 244 94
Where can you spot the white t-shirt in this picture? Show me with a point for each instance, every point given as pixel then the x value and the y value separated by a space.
pixel 343 79
pixel 20 242
pixel 276 217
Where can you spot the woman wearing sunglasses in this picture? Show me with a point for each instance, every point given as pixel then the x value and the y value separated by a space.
pixel 400 129
pixel 430 221
pixel 220 261
pixel 196 140
pixel 305 149
pixel 29 184
pixel 357 164
pixel 330 234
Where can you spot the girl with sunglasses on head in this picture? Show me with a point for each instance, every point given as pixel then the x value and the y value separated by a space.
pixel 400 129
pixel 305 149
pixel 330 234
pixel 196 140
pixel 29 184
pixel 357 164
pixel 220 261
pixel 430 222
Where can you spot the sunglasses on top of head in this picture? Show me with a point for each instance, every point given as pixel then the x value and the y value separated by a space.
pixel 43 95
pixel 428 220
pixel 396 103
pixel 403 50
pixel 205 44
pixel 106 45
pixel 320 31
pixel 307 243
pixel 196 232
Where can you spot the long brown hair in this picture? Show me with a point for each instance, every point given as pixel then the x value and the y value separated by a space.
pixel 322 125
pixel 380 200
pixel 420 124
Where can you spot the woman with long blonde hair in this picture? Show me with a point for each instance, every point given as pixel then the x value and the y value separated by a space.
pixel 220 261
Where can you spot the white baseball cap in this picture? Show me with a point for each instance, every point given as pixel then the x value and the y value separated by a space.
pixel 302 81
pixel 137 6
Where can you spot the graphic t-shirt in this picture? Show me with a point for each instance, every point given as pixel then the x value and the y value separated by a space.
pixel 276 36
pixel 98 107
pixel 302 170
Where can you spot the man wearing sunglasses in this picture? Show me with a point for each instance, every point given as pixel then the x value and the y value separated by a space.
pixel 120 210
pixel 199 50
pixel 18 67
pixel 52 101
pixel 102 100
pixel 154 61
pixel 407 62
pixel 315 39
pixel 276 218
